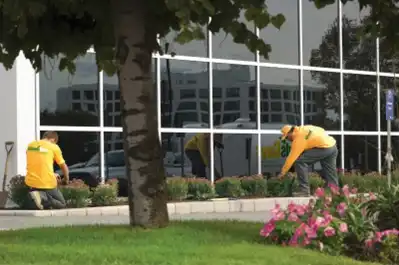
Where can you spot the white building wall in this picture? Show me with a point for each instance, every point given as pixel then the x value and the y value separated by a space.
pixel 17 114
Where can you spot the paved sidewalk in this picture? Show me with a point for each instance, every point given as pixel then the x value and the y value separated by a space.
pixel 19 222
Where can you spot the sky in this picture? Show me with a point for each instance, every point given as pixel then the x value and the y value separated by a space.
pixel 284 43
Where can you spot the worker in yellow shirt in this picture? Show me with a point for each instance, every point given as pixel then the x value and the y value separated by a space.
pixel 309 145
pixel 197 150
pixel 40 176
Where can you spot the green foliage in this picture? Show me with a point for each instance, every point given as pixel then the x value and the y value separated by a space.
pixel 19 191
pixel 229 187
pixel 106 194
pixel 177 188
pixel 76 194
pixel 200 189
pixel 254 186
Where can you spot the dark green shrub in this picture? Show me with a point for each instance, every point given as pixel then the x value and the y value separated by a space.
pixel 177 188
pixel 76 194
pixel 229 187
pixel 254 186
pixel 200 189
pixel 106 194
pixel 18 192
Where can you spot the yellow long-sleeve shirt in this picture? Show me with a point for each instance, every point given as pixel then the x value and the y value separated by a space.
pixel 304 138
pixel 200 143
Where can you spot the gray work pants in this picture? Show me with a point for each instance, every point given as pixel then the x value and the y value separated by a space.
pixel 328 160
pixel 51 198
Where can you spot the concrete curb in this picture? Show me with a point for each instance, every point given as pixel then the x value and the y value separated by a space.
pixel 218 206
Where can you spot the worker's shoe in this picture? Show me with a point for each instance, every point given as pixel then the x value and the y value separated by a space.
pixel 35 195
pixel 301 194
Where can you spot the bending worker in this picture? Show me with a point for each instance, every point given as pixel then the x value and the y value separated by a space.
pixel 310 144
pixel 198 151
pixel 40 176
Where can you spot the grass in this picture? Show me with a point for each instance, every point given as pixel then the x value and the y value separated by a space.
pixel 191 243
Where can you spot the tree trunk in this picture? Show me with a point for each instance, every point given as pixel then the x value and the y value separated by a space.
pixel 143 153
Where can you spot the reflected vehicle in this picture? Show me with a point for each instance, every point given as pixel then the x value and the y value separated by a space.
pixel 115 168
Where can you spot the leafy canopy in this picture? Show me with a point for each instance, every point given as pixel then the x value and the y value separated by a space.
pixel 68 28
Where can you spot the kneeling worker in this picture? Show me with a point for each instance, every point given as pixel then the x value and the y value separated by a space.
pixel 309 145
pixel 40 176
pixel 197 150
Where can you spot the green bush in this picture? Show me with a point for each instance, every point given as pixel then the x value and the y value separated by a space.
pixel 229 187
pixel 254 186
pixel 76 194
pixel 177 188
pixel 19 192
pixel 105 194
pixel 200 189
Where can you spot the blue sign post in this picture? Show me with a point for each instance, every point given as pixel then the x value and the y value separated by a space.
pixel 389 114
pixel 389 106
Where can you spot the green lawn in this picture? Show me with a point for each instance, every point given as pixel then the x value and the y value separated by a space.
pixel 191 243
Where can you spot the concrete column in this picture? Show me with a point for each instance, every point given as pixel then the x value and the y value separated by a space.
pixel 17 114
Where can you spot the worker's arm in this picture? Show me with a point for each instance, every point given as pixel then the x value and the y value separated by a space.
pixel 59 159
pixel 297 147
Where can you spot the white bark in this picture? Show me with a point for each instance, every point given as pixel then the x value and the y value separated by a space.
pixel 145 172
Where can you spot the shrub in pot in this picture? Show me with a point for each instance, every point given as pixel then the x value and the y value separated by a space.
pixel 200 189
pixel 105 194
pixel 76 194
pixel 177 188
pixel 254 186
pixel 229 187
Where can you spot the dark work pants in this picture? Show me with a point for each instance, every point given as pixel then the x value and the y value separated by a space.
pixel 198 167
pixel 328 160
pixel 51 198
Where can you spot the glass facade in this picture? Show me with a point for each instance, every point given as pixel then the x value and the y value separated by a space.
pixel 317 73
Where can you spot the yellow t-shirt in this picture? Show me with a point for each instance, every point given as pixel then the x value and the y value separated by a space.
pixel 40 156
pixel 199 143
pixel 304 138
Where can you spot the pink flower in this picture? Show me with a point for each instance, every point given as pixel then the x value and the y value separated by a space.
pixel 346 191
pixel 267 229
pixel 319 193
pixel 334 189
pixel 341 208
pixel 372 196
pixel 329 231
pixel 343 228
pixel 293 217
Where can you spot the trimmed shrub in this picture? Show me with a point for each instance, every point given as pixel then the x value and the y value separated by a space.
pixel 76 194
pixel 200 189
pixel 254 186
pixel 105 194
pixel 18 191
pixel 177 188
pixel 229 187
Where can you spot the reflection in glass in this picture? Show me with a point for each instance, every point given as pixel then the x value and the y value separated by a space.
pixel 280 96
pixel 359 55
pixel 360 103
pixel 284 41
pixel 322 105
pixel 361 153
pixel 229 162
pixel 197 48
pixel 112 104
pixel 320 35
pixel 66 99
pixel 184 94
pixel 224 47
pixel 234 96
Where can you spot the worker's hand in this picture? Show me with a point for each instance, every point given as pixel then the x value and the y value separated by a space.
pixel 280 176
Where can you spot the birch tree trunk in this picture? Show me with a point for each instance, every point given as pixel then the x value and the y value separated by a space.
pixel 143 153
